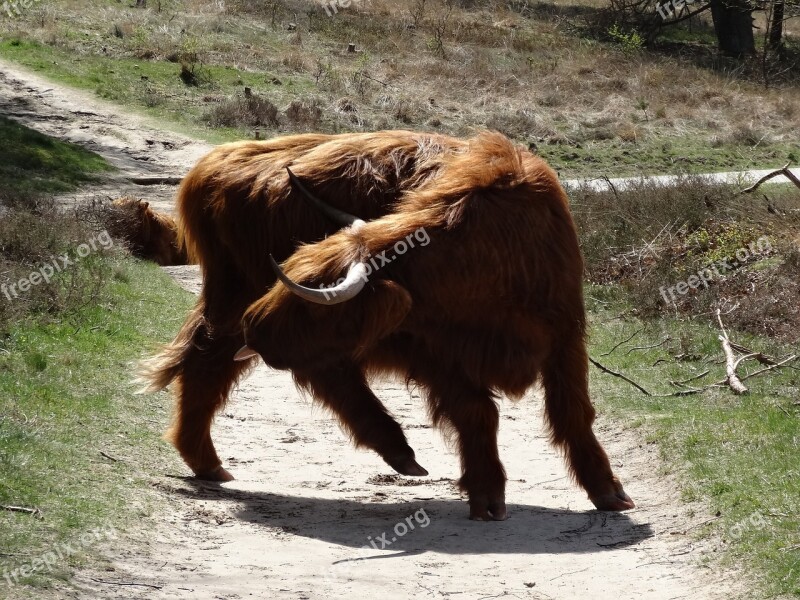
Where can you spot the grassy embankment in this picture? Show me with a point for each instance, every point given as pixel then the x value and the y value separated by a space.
pixel 736 453
pixel 75 443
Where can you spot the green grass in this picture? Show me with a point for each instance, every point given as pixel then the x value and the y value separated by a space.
pixel 669 155
pixel 65 398
pixel 150 87
pixel 738 454
pixel 34 163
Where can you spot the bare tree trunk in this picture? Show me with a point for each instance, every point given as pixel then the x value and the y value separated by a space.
pixel 776 26
pixel 733 25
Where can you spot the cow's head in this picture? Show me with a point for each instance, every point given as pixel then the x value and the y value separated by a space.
pixel 348 287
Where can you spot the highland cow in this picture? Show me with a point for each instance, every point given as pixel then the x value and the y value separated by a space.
pixel 491 305
pixel 148 234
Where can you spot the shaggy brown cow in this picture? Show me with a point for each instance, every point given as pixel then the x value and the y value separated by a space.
pixel 492 304
pixel 149 234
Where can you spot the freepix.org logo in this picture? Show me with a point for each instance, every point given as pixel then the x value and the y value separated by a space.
pixel 376 263
pixel 56 265
pixel 15 8
pixel 59 553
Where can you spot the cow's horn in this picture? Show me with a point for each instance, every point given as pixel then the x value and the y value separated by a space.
pixel 354 282
pixel 245 353
pixel 334 214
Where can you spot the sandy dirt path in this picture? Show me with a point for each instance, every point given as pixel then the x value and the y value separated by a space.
pixel 150 161
pixel 305 503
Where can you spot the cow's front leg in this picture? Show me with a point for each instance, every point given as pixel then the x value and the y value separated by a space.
pixel 472 413
pixel 344 390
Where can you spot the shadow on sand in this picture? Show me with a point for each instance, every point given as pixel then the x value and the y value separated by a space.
pixel 438 525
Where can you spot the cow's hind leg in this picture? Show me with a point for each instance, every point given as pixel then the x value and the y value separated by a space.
pixel 343 388
pixel 206 372
pixel 200 364
pixel 570 415
pixel 472 413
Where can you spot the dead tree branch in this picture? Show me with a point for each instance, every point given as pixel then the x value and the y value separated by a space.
pixel 620 375
pixel 661 343
pixel 625 341
pixel 730 361
pixel 783 171
pixel 35 512
pixel 685 381
pixel 777 365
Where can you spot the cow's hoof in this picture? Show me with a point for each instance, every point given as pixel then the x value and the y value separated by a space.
pixel 407 466
pixel 616 501
pixel 494 511
pixel 219 474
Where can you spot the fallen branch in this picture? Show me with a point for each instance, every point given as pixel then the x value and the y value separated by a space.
pixel 784 171
pixel 661 343
pixel 23 509
pixel 686 392
pixel 777 365
pixel 167 180
pixel 741 359
pixel 109 457
pixel 147 585
pixel 633 335
pixel 685 381
pixel 695 526
pixel 620 375
pixel 730 361
pixel 383 83
pixel 759 356
pixel 790 548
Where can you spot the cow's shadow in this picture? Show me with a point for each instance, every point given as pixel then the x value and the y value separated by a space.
pixel 438 525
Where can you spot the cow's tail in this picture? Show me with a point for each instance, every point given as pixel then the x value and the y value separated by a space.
pixel 158 372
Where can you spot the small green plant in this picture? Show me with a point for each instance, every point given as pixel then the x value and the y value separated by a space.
pixel 630 41
pixel 192 72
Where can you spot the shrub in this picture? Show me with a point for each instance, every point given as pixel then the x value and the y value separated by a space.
pixel 34 236
pixel 630 41
pixel 249 110
pixel 305 114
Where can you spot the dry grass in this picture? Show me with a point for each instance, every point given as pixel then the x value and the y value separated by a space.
pixel 243 111
pixel 36 241
pixel 528 72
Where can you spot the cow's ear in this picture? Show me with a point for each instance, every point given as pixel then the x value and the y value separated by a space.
pixel 385 306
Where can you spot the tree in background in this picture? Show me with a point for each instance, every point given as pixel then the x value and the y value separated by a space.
pixel 733 25
pixel 732 20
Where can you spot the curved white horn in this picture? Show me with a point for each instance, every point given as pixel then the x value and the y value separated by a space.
pixel 354 282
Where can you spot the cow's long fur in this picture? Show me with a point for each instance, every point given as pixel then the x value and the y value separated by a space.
pixel 148 234
pixel 492 304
